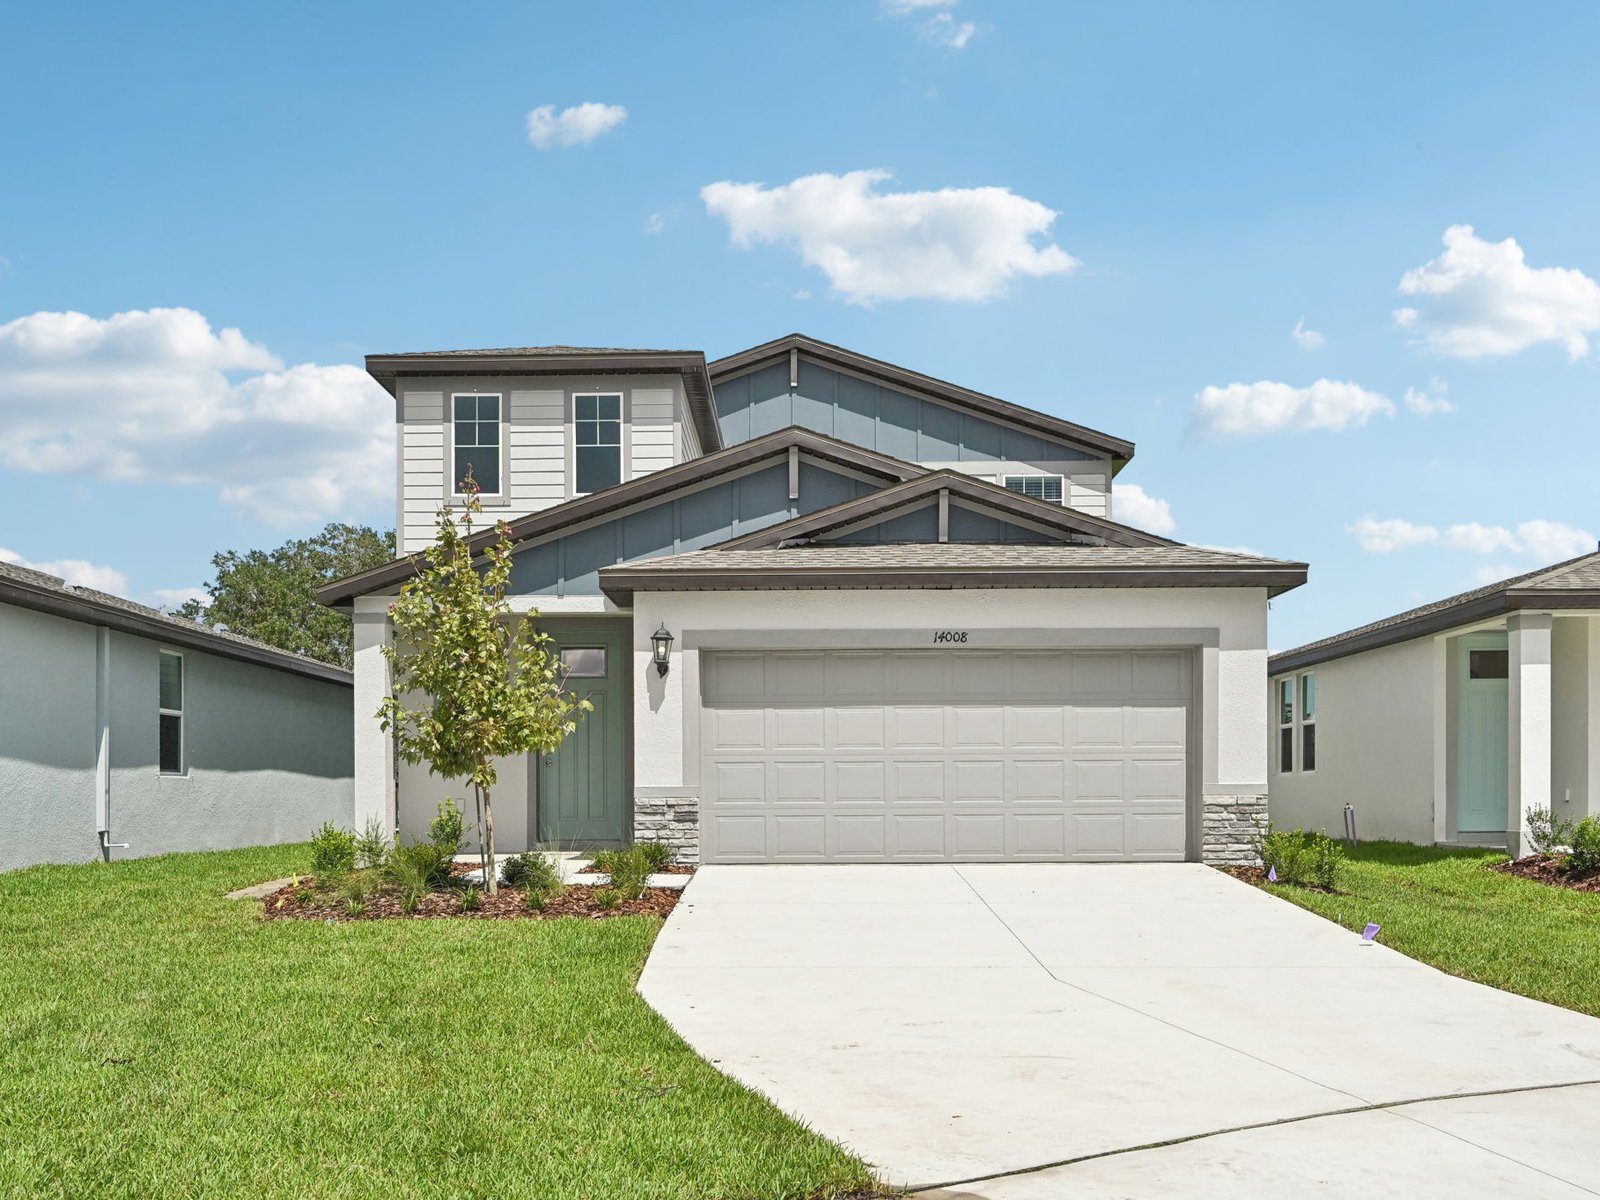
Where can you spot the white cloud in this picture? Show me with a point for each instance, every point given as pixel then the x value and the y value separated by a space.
pixel 1132 506
pixel 1494 573
pixel 1481 299
pixel 951 244
pixel 1307 339
pixel 1244 409
pixel 948 31
pixel 901 8
pixel 1385 537
pixel 176 597
pixel 575 126
pixel 655 223
pixel 1544 541
pixel 158 396
pixel 75 571
pixel 1431 402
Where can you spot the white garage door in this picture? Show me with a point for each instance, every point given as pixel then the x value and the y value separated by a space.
pixel 909 755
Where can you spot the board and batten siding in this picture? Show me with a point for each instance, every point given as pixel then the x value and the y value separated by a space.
pixel 536 428
pixel 913 428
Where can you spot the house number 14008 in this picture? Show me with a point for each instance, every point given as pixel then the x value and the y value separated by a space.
pixel 949 635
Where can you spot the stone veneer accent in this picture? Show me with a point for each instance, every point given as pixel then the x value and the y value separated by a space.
pixel 1229 826
pixel 672 820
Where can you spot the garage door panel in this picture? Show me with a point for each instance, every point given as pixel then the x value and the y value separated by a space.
pixel 799 729
pixel 869 755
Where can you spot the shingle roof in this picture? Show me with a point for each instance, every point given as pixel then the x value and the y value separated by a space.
pixel 47 593
pixel 953 564
pixel 1560 585
pixel 530 352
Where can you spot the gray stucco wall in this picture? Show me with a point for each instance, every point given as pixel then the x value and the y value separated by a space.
pixel 269 753
pixel 872 415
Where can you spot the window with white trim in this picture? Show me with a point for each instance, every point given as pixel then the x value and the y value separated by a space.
pixel 475 419
pixel 1040 487
pixel 597 438
pixel 170 749
pixel 1308 722
pixel 1286 725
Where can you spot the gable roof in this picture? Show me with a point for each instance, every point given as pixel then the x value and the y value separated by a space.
pixel 649 487
pixel 388 369
pixel 1574 583
pixel 992 406
pixel 947 565
pixel 44 593
pixel 889 501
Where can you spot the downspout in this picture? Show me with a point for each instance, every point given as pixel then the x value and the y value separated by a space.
pixel 102 752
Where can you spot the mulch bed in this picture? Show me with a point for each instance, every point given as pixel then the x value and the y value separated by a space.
pixel 1258 875
pixel 307 903
pixel 669 869
pixel 1547 869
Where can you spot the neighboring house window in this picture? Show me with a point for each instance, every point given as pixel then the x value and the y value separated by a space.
pixel 477 442
pixel 1040 487
pixel 1286 725
pixel 1308 722
pixel 171 700
pixel 597 432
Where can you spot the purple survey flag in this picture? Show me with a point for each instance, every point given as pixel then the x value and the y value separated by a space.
pixel 1272 874
pixel 1370 933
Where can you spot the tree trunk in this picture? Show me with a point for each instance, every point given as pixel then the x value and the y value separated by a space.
pixel 491 875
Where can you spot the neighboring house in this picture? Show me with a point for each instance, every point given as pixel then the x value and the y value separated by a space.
pixel 126 732
pixel 1449 722
pixel 903 625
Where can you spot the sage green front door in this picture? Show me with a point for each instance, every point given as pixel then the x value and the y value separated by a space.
pixel 582 790
pixel 1482 779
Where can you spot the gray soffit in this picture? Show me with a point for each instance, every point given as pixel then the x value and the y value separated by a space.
pixel 950 565
pixel 1571 584
pixel 837 356
pixel 387 369
pixel 977 491
pixel 45 593
pixel 649 487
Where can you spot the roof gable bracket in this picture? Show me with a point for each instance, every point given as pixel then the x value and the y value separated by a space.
pixel 944 514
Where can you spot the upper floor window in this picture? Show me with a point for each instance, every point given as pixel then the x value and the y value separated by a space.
pixel 597 434
pixel 1040 487
pixel 170 700
pixel 476 420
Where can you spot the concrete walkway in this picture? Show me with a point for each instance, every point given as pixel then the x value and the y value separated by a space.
pixel 951 1024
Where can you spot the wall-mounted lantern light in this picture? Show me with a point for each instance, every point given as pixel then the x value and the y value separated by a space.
pixel 661 649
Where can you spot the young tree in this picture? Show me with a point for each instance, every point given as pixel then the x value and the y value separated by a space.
pixel 486 683
pixel 270 595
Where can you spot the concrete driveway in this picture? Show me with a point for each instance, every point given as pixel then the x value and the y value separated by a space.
pixel 964 1027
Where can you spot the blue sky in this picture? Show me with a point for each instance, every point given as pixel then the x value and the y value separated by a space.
pixel 1110 212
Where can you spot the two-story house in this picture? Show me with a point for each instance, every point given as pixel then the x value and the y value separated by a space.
pixel 829 609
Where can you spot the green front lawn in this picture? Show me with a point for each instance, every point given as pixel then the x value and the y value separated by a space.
pixel 1448 909
pixel 157 1040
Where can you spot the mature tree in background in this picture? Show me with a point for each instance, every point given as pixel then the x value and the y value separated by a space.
pixel 270 595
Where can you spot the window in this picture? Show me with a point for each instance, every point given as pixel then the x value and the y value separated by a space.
pixel 1286 725
pixel 597 432
pixel 1308 718
pixel 1040 487
pixel 171 703
pixel 477 442
pixel 1488 664
pixel 585 662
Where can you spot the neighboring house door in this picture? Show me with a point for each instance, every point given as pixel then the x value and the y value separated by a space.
pixel 1481 734
pixel 582 788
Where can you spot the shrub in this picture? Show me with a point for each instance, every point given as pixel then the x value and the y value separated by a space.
pixel 657 854
pixel 471 900
pixel 333 852
pixel 537 901
pixel 372 843
pixel 1585 846
pixel 416 870
pixel 445 830
pixel 607 897
pixel 1547 832
pixel 533 871
pixel 604 860
pixel 1301 857
pixel 629 870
